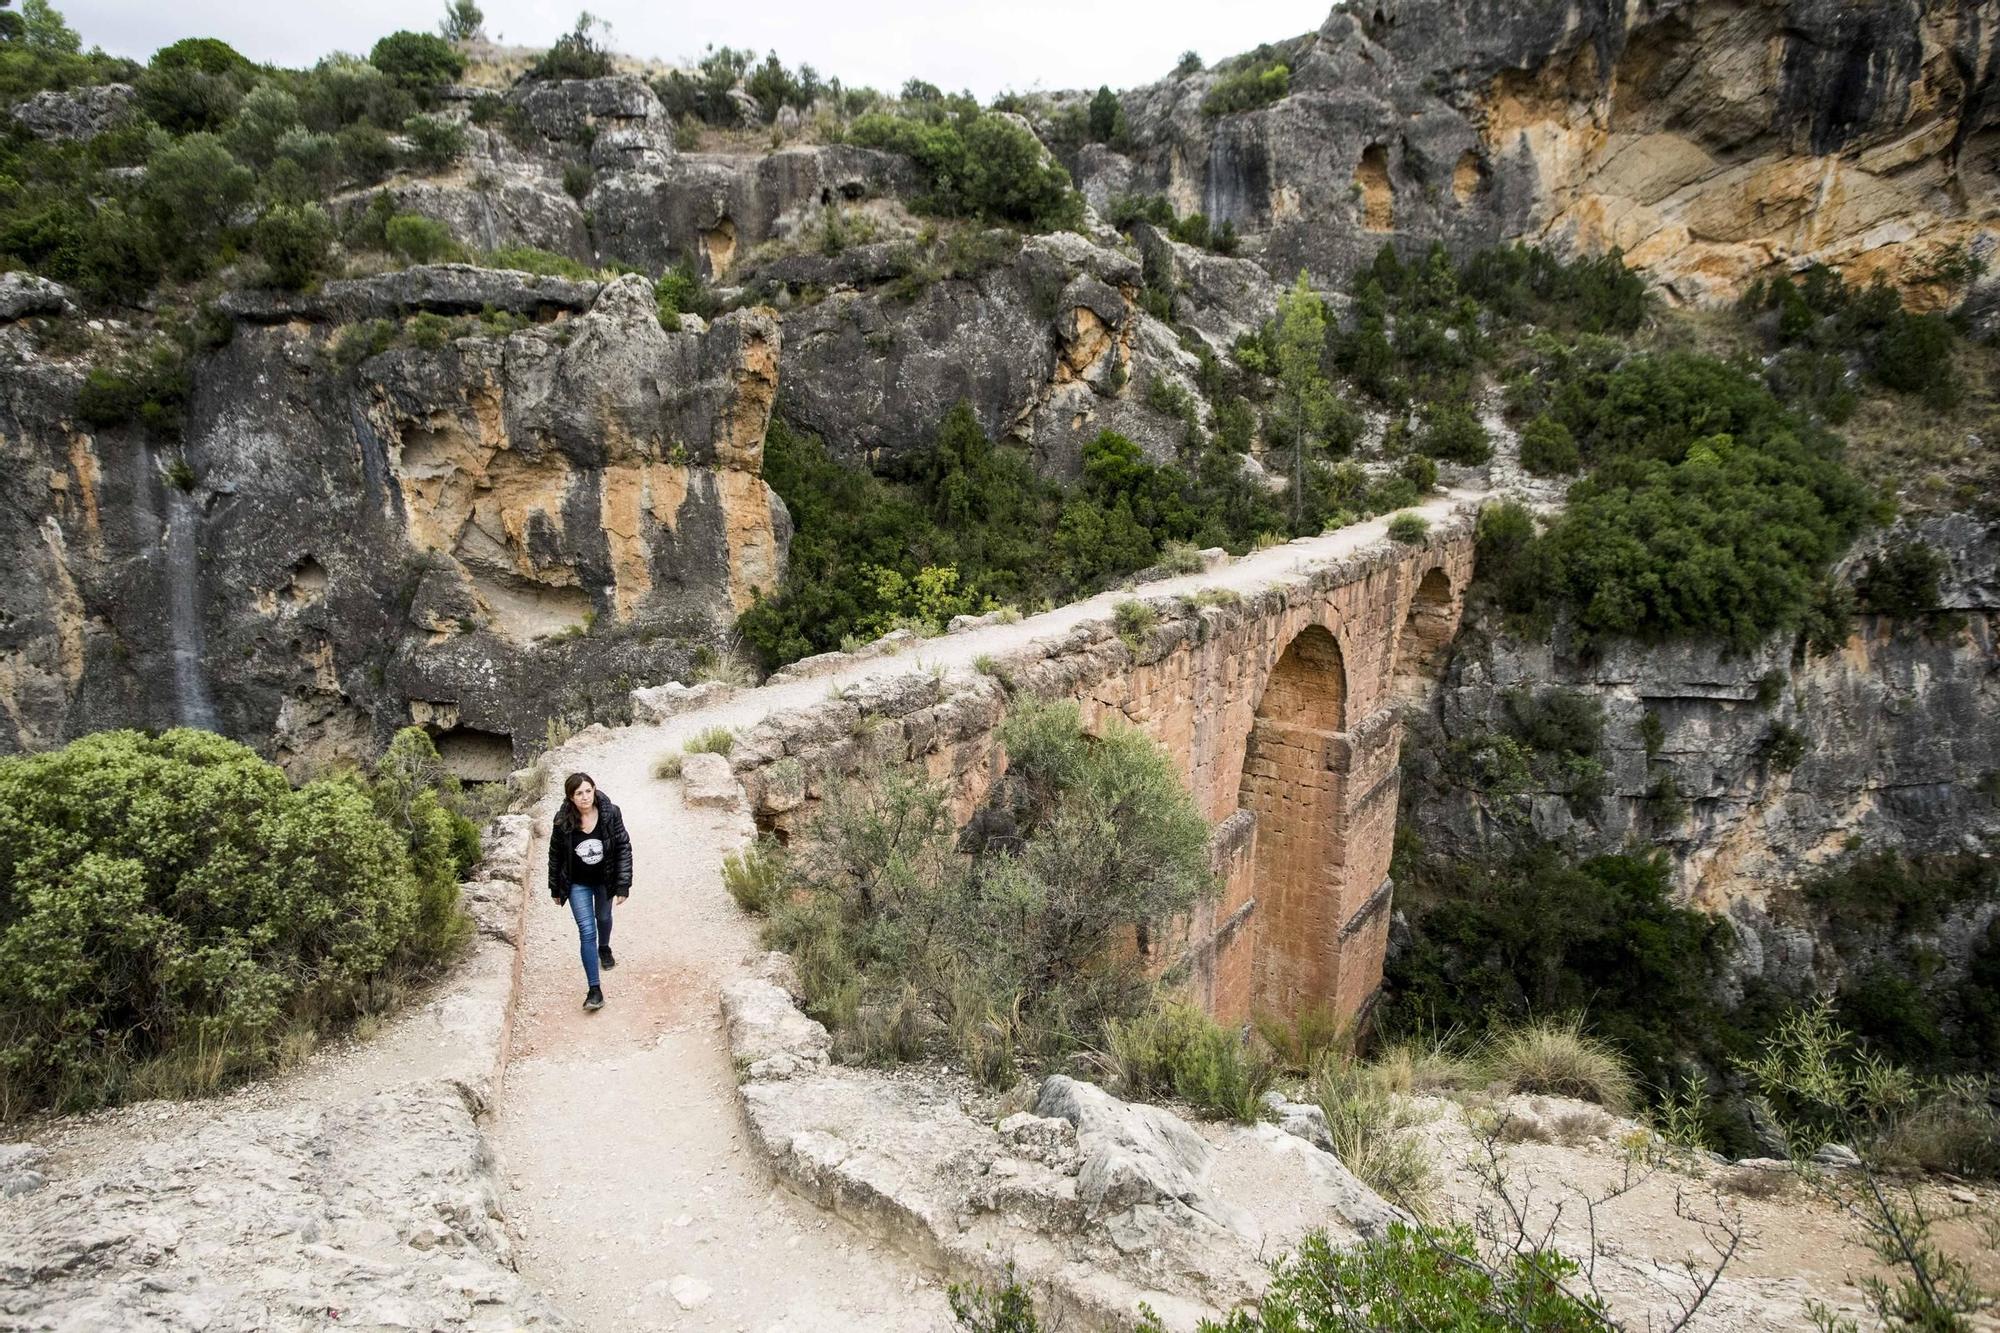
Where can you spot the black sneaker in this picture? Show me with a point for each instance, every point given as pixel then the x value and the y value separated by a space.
pixel 594 1000
pixel 604 958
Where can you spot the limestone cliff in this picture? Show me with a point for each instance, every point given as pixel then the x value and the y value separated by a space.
pixel 1888 743
pixel 478 531
pixel 1713 140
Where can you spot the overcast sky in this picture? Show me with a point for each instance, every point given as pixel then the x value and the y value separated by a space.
pixel 1019 44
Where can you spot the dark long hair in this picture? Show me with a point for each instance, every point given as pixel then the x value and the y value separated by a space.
pixel 566 817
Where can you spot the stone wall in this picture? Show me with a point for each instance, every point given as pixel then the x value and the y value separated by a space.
pixel 1281 711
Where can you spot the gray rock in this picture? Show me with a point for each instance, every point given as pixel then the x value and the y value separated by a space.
pixel 23 294
pixel 707 781
pixel 494 210
pixel 1132 1153
pixel 473 536
pixel 656 703
pixel 768 1036
pixel 76 114
pixel 1839 1156
pixel 617 120
pixel 444 289
pixel 386 1209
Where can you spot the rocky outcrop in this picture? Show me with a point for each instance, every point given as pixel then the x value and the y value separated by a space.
pixel 1097 1203
pixel 383 1214
pixel 477 531
pixel 80 113
pixel 1712 141
pixel 1049 347
pixel 1891 734
pixel 711 209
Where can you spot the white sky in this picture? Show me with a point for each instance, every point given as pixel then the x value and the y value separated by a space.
pixel 989 47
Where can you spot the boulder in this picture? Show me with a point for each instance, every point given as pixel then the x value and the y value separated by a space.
pixel 24 294
pixel 656 703
pixel 707 781
pixel 1131 1153
pixel 768 1037
pixel 75 114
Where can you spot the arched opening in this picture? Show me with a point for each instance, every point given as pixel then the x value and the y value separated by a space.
pixel 1424 640
pixel 1295 770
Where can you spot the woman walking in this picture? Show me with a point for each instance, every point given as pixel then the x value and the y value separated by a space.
pixel 590 864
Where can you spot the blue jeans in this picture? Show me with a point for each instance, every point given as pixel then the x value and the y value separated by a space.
pixel 591 906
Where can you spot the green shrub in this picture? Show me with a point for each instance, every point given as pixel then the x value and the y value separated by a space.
pixel 541 263
pixel 1260 82
pixel 192 191
pixel 1454 434
pixel 422 240
pixel 1547 448
pixel 578 179
pixel 1177 1050
pixel 1134 620
pixel 417 59
pixel 172 903
pixel 1368 1123
pixel 1420 472
pixel 435 143
pixel 1493 945
pixel 1016 946
pixel 1409 528
pixel 363 154
pixel 1418 1280
pixel 1182 558
pixel 148 386
pixel 980 1309
pixel 755 876
pixel 678 291
pixel 1782 747
pixel 1901 580
pixel 1559 1058
pixel 293 243
pixel 980 165
pixel 714 740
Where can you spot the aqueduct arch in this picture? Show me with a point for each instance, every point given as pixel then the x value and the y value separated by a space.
pixel 1294 786
pixel 1285 714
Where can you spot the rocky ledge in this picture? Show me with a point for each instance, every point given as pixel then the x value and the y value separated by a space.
pixel 1098 1204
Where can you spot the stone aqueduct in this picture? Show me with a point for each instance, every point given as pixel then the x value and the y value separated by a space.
pixel 1284 711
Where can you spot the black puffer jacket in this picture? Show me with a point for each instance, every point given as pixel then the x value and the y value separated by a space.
pixel 616 842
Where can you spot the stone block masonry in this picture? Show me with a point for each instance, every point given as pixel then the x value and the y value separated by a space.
pixel 1282 709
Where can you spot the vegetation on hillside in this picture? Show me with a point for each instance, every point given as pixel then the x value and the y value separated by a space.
pixel 174 915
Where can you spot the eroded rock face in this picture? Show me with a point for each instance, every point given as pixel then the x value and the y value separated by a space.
pixel 1049 348
pixel 1711 141
pixel 81 113
pixel 1896 737
pixel 475 537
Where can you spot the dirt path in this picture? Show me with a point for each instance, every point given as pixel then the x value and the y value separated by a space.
pixel 636 1201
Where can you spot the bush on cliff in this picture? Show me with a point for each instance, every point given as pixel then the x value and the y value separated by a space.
pixel 1494 946
pixel 174 914
pixel 868 553
pixel 1709 510
pixel 978 164
pixel 903 943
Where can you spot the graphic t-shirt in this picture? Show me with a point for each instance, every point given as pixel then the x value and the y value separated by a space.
pixel 587 852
